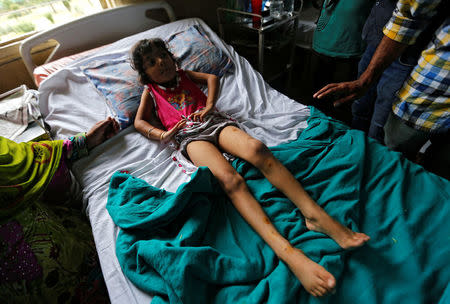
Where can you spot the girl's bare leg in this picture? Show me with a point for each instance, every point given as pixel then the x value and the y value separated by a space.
pixel 239 143
pixel 314 278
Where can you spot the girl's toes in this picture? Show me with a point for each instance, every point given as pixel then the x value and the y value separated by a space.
pixel 321 291
pixel 330 282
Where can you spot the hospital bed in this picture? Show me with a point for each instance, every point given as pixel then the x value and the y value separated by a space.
pixel 359 182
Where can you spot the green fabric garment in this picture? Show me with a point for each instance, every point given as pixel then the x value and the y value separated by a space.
pixel 25 171
pixel 192 246
pixel 60 240
pixel 47 253
pixel 339 28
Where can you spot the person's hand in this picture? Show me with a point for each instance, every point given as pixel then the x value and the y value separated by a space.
pixel 200 115
pixel 342 92
pixel 167 135
pixel 101 131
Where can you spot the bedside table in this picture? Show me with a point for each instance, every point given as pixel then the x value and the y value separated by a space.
pixel 269 35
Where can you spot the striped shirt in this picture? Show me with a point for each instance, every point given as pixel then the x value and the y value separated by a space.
pixel 424 100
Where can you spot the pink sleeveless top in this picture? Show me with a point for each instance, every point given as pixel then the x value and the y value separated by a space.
pixel 173 104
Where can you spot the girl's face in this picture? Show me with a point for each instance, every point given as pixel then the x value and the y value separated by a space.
pixel 159 66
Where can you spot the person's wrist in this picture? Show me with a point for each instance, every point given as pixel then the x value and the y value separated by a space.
pixel 149 131
pixel 162 135
pixel 208 106
pixel 81 144
pixel 90 144
pixel 365 80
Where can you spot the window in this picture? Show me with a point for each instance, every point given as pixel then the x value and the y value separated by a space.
pixel 19 17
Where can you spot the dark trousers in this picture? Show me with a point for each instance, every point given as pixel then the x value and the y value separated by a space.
pixel 324 70
pixel 371 111
pixel 403 138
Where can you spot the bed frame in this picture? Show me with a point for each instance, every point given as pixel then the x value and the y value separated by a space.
pixel 97 30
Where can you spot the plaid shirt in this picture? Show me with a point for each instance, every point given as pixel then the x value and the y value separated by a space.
pixel 424 100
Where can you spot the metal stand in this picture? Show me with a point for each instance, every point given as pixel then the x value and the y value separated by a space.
pixel 234 24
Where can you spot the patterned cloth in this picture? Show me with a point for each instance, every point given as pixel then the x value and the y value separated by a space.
pixel 207 130
pixel 174 104
pixel 25 171
pixel 77 148
pixel 47 253
pixel 424 100
pixel 59 188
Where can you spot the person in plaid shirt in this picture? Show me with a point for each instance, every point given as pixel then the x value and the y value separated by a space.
pixel 421 111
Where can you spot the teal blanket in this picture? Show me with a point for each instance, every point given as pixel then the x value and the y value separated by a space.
pixel 192 246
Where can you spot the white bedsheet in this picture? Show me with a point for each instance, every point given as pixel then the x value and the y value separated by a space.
pixel 71 104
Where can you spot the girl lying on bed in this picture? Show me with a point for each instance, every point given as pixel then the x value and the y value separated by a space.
pixel 189 117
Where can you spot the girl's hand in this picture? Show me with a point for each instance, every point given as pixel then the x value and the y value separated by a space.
pixel 167 135
pixel 200 115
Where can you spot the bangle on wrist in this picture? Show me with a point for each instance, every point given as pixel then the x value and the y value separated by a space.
pixel 162 135
pixel 149 131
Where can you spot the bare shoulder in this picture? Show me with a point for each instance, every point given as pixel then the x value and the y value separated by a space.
pixel 199 76
pixel 146 95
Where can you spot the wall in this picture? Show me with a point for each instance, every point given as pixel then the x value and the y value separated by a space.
pixel 205 9
pixel 13 72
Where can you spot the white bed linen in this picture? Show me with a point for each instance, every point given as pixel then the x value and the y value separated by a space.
pixel 71 104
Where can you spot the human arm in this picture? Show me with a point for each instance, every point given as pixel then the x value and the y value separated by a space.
pixel 408 20
pixel 147 124
pixel 387 51
pixel 101 131
pixel 212 81
pixel 78 146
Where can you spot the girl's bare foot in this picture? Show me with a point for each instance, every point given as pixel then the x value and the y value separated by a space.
pixel 342 235
pixel 315 279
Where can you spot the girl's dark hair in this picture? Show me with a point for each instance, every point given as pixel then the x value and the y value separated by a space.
pixel 142 48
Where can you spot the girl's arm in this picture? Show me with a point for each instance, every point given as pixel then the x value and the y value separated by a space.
pixel 146 122
pixel 212 81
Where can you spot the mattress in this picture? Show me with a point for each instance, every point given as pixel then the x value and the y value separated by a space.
pixel 70 103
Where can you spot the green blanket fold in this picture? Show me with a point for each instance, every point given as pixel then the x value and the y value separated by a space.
pixel 192 246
